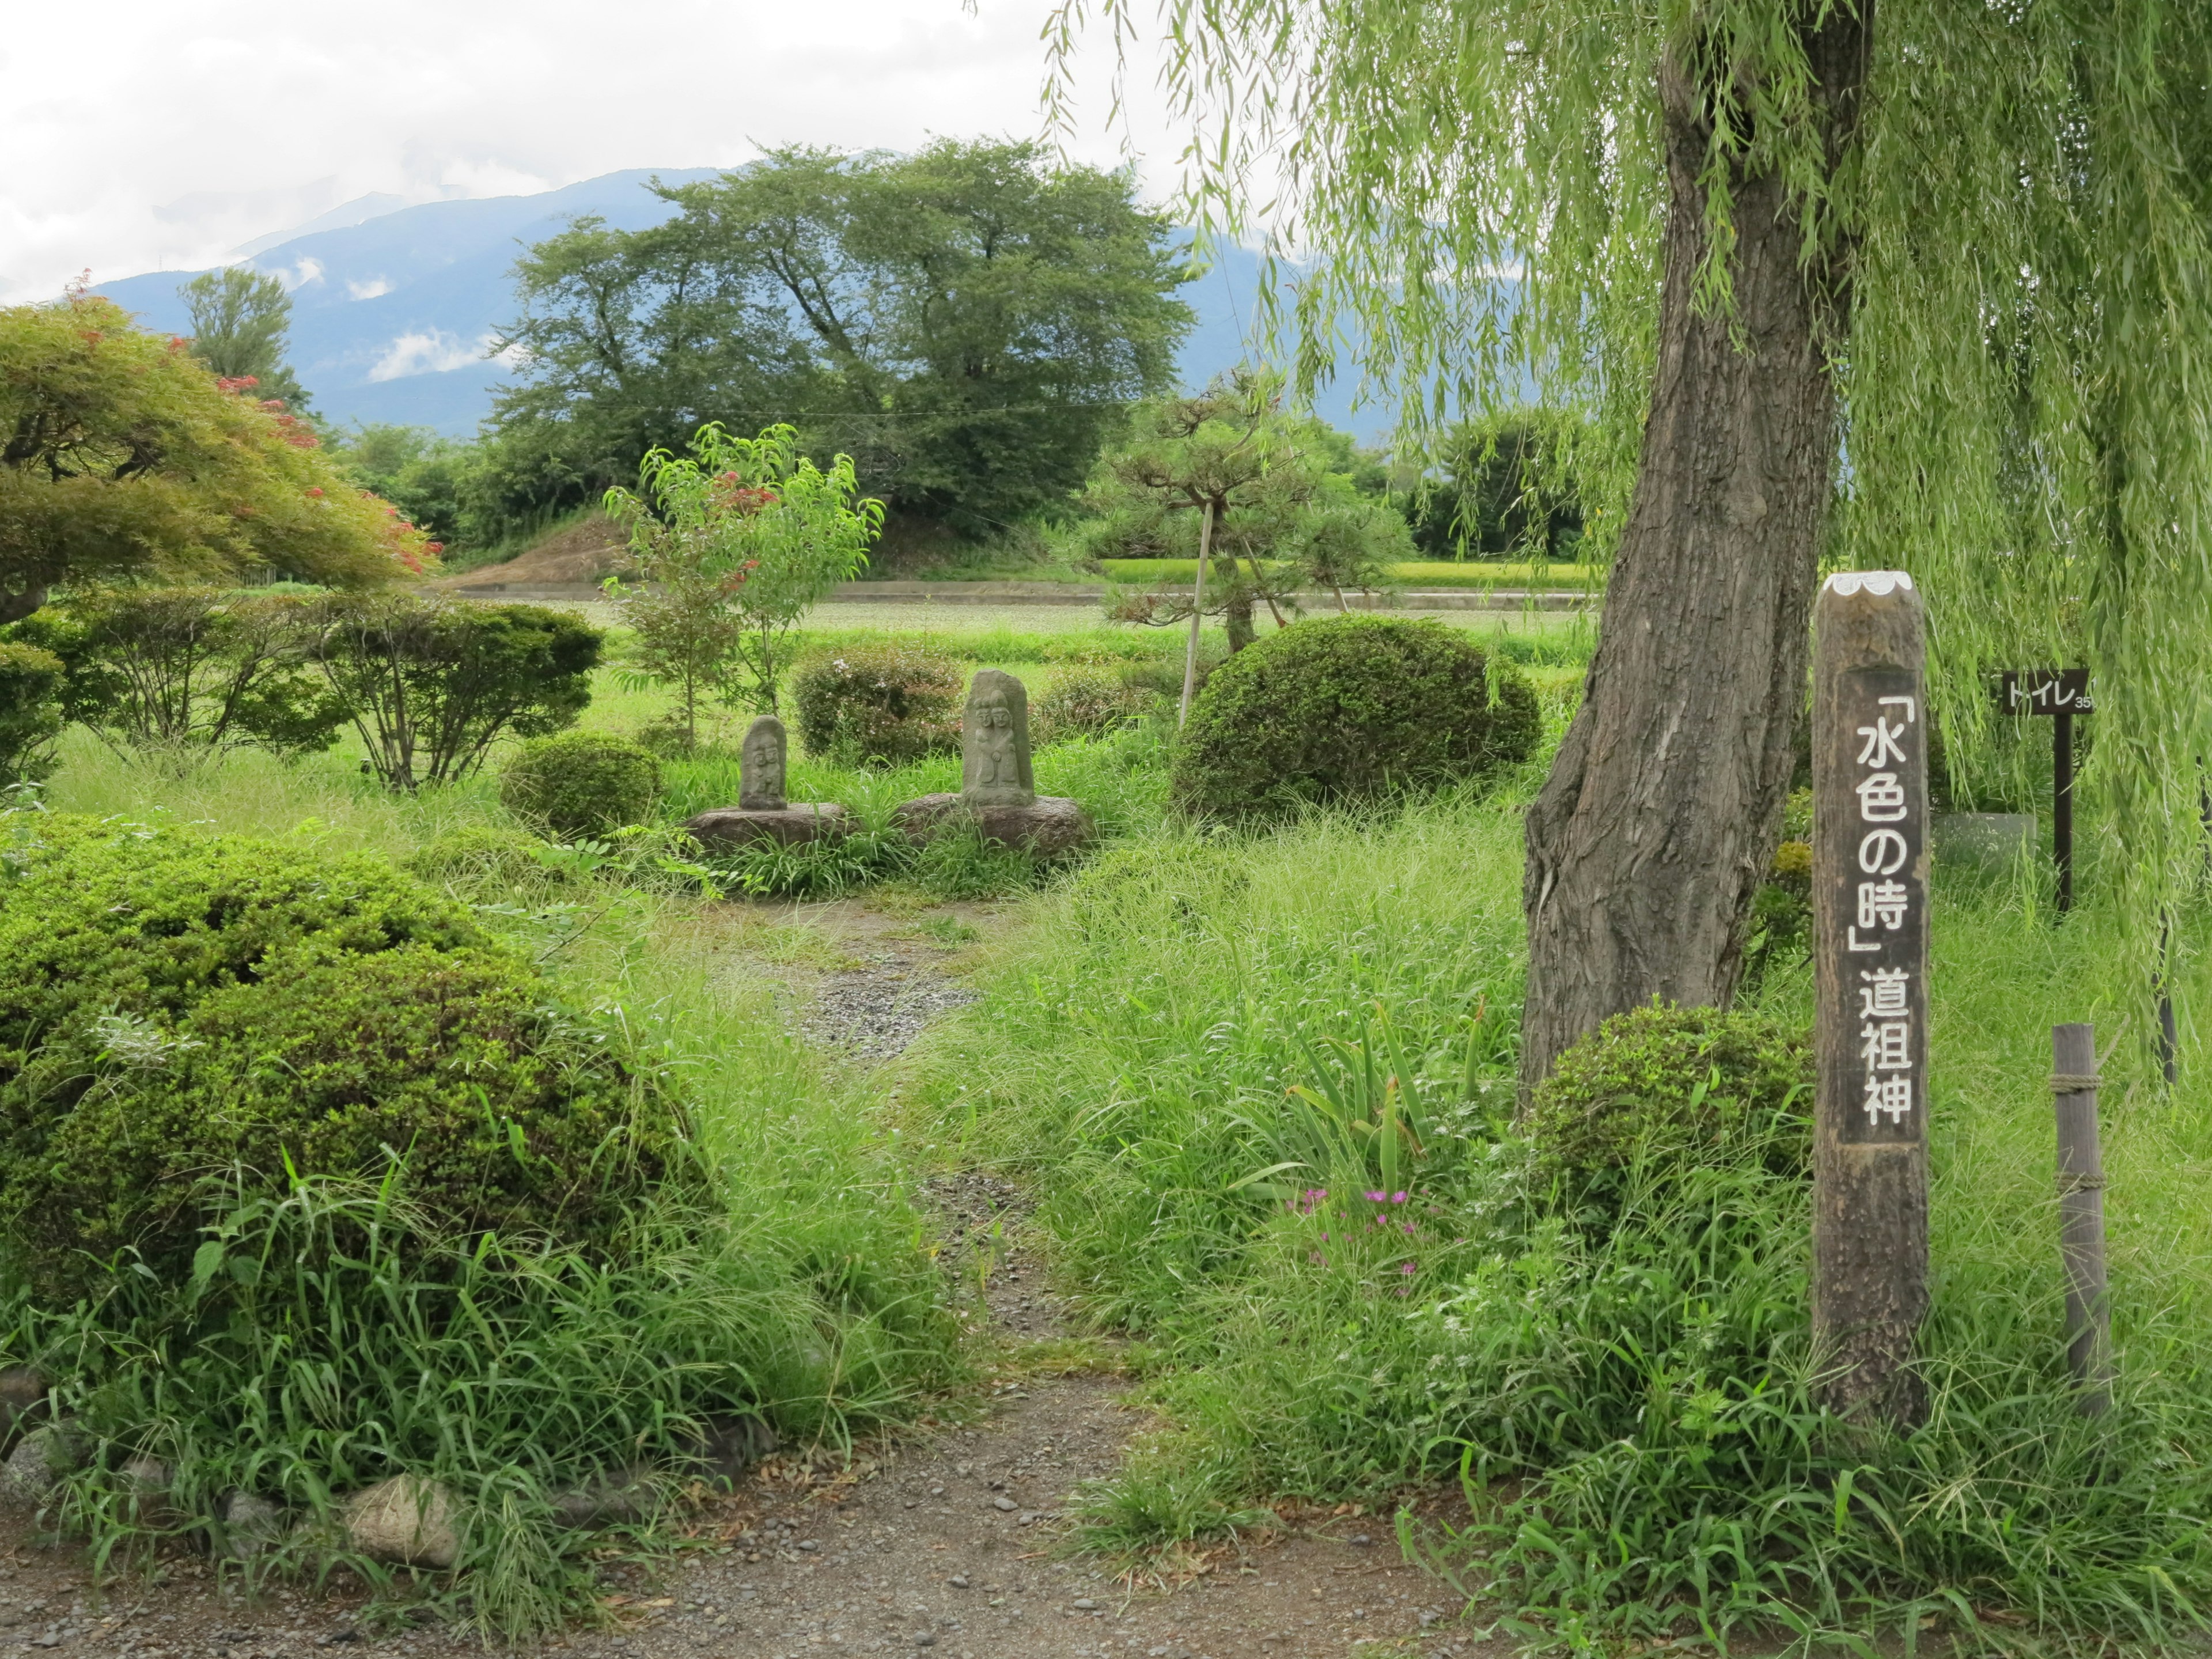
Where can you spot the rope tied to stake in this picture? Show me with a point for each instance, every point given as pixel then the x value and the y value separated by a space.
pixel 2078 1183
pixel 2073 1082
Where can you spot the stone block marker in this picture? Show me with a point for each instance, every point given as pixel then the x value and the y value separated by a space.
pixel 998 785
pixel 762 813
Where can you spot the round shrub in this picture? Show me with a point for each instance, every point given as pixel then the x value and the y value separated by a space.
pixel 880 704
pixel 1347 709
pixel 1681 1086
pixel 483 853
pixel 178 1009
pixel 1085 703
pixel 581 785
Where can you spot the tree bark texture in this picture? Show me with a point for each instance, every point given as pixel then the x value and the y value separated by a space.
pixel 1659 819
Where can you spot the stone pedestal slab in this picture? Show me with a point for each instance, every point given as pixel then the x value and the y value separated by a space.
pixel 727 828
pixel 1047 826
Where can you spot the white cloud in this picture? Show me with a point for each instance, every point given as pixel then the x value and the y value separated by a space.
pixel 121 161
pixel 429 352
pixel 367 290
pixel 309 269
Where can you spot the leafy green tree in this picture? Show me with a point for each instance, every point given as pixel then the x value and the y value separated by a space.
pixel 749 536
pixel 1510 488
pixel 1977 238
pixel 1229 471
pixel 427 478
pixel 431 685
pixel 242 328
pixel 121 455
pixel 967 322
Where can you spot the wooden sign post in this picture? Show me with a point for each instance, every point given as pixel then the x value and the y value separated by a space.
pixel 2060 693
pixel 1870 933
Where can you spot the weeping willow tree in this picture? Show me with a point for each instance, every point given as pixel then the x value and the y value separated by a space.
pixel 1927 287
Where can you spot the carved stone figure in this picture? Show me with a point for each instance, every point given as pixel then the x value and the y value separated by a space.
pixel 998 787
pixel 994 743
pixel 760 766
pixel 762 813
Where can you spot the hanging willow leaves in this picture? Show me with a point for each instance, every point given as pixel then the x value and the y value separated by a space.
pixel 2012 234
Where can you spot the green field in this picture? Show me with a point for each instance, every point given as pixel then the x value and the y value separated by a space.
pixel 1416 574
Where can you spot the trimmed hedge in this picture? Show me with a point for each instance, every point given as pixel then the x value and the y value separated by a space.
pixel 178 1009
pixel 1675 1087
pixel 581 786
pixel 1347 709
pixel 879 704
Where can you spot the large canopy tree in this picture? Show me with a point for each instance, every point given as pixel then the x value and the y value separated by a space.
pixel 122 456
pixel 969 322
pixel 1927 284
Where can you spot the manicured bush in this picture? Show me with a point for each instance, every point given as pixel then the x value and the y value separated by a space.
pixel 581 785
pixel 1085 703
pixel 879 704
pixel 179 1009
pixel 1347 708
pixel 30 711
pixel 1664 1086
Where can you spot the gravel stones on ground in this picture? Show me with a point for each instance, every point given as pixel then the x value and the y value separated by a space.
pixel 873 1012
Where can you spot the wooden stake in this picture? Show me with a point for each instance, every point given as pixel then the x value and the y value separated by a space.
pixel 1197 604
pixel 2081 1215
pixel 1870 922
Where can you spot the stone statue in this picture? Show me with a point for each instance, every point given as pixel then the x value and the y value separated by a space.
pixel 760 766
pixel 762 814
pixel 994 743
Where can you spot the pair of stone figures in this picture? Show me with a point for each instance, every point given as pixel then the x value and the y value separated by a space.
pixel 998 788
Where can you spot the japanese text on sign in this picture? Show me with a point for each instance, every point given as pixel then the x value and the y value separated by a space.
pixel 1882 919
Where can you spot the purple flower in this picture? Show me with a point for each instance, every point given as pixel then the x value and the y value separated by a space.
pixel 1406 1267
pixel 1397 1198
pixel 1375 1198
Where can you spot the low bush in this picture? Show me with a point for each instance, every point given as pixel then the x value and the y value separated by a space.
pixel 1085 703
pixel 30 712
pixel 581 785
pixel 176 1007
pixel 190 672
pixel 1347 708
pixel 879 704
pixel 431 685
pixel 1670 1089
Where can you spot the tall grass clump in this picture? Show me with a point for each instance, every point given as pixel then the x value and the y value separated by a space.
pixel 324 1327
pixel 1205 1052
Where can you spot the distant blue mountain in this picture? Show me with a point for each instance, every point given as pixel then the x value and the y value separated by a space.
pixel 391 316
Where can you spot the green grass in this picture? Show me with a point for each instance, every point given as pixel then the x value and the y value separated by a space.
pixel 1630 1409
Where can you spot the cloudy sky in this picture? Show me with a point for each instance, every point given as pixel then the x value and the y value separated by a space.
pixel 170 134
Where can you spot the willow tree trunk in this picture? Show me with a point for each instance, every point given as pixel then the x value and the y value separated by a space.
pixel 1662 812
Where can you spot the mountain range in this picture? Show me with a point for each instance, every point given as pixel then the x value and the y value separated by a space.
pixel 395 308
